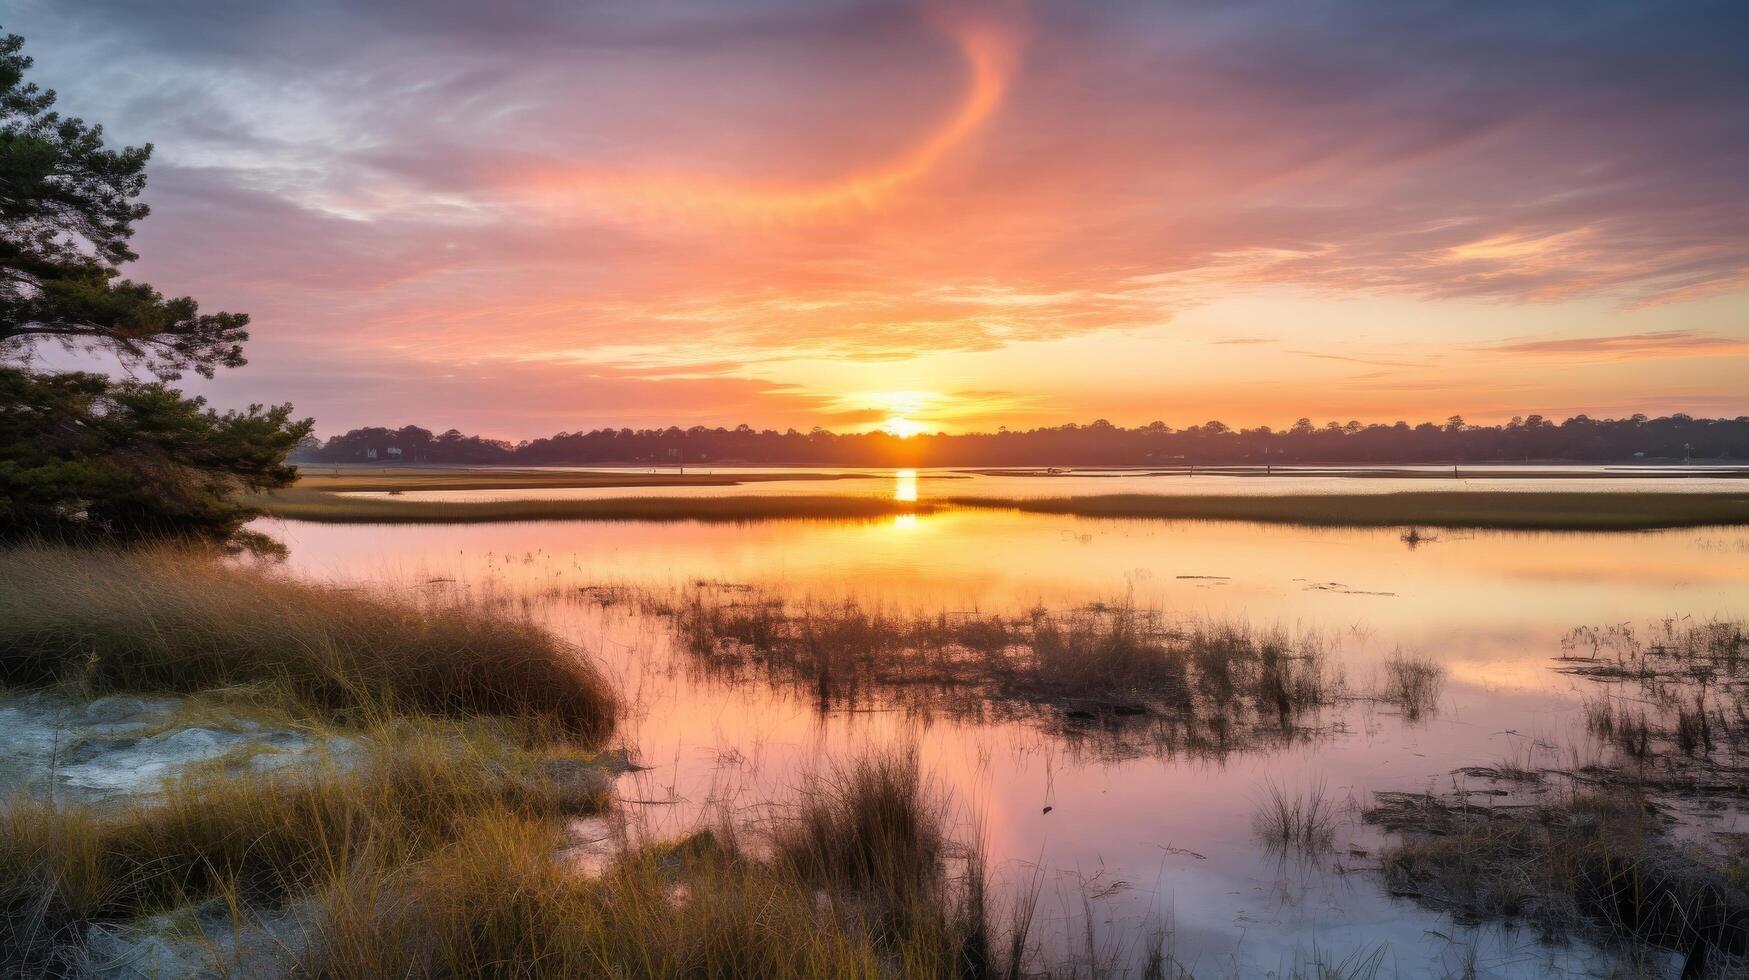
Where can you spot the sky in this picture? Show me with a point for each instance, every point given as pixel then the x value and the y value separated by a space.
pixel 533 216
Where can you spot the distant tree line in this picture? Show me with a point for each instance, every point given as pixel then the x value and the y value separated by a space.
pixel 1578 439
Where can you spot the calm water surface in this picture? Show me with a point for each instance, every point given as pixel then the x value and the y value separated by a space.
pixel 1148 836
pixel 927 484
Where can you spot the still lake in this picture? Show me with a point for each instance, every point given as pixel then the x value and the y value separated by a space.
pixel 1134 835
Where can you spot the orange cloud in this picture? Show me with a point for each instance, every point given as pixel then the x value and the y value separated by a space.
pixel 990 48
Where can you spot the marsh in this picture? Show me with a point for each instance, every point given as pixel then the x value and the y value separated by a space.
pixel 1432 658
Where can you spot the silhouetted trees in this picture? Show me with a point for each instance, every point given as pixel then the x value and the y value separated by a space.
pixel 81 454
pixel 1532 438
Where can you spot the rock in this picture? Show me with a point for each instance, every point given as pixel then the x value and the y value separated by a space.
pixel 200 941
pixel 117 747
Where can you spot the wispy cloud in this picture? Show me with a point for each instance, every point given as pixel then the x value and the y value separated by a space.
pixel 1353 359
pixel 1661 343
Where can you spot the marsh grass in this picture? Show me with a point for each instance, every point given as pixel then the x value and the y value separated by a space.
pixel 1594 850
pixel 1552 511
pixel 1685 707
pixel 256 841
pixel 872 822
pixel 1200 685
pixel 398 479
pixel 1303 822
pixel 333 508
pixel 181 620
pixel 1412 683
pixel 856 885
pixel 1597 862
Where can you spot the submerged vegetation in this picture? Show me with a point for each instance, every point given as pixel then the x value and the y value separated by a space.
pixel 1412 683
pixel 182 620
pixel 1116 668
pixel 1685 722
pixel 1589 862
pixel 1600 849
pixel 1304 822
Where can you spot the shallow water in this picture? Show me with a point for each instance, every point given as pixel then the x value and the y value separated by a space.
pixel 1149 835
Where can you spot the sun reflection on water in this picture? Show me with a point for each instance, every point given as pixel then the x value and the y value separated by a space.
pixel 905 485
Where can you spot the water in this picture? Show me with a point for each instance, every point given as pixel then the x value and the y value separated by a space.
pixel 1144 836
pixel 929 484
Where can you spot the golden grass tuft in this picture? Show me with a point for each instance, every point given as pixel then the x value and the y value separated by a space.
pixel 830 902
pixel 257 840
pixel 175 619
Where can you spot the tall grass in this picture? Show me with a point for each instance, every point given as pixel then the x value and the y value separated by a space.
pixel 855 887
pixel 256 841
pixel 172 619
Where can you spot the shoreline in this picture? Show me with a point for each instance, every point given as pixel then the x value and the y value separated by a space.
pixel 1481 510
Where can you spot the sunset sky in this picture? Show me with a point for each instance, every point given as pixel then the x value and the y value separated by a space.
pixel 540 215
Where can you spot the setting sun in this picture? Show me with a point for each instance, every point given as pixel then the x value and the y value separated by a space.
pixel 902 427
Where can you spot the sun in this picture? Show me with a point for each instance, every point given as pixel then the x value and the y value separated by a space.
pixel 902 427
